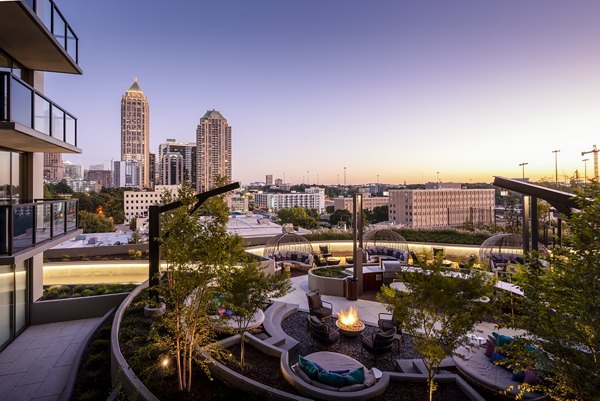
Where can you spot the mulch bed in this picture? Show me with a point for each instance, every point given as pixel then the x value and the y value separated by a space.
pixel 404 391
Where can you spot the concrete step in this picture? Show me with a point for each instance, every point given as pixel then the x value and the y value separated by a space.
pixel 272 325
pixel 406 365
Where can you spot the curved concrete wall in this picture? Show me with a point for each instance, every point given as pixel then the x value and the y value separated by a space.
pixel 326 285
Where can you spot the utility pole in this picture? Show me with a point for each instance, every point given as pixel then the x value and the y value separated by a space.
pixel 556 167
pixel 522 165
pixel 585 170
pixel 308 177
pixel 438 178
pixel 344 176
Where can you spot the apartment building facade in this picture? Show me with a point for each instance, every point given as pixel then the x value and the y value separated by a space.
pixel 213 141
pixel 313 198
pixel 136 203
pixel 369 202
pixel 429 208
pixel 173 175
pixel 34 38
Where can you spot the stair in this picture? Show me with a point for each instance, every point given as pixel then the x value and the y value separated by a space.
pixel 418 366
pixel 274 315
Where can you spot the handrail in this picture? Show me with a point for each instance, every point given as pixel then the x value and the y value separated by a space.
pixel 26 225
pixel 6 112
pixel 54 9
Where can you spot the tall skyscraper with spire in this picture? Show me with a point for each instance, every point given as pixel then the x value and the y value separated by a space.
pixel 213 150
pixel 135 130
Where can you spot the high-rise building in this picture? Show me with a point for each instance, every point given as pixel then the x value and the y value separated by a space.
pixel 31 124
pixel 213 140
pixel 313 198
pixel 126 174
pixel 72 171
pixel 269 179
pixel 171 169
pixel 278 181
pixel 54 170
pixel 153 171
pixel 187 152
pixel 369 202
pixel 451 207
pixel 102 177
pixel 135 130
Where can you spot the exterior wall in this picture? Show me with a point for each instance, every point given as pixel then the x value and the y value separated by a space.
pixel 188 152
pixel 135 131
pixel 369 202
pixel 126 174
pixel 274 202
pixel 213 140
pixel 441 207
pixel 54 170
pixel 102 177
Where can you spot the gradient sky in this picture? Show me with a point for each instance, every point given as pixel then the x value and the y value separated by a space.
pixel 399 89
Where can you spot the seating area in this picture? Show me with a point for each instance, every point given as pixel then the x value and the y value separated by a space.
pixel 321 332
pixel 381 343
pixel 376 252
pixel 300 258
pixel 317 307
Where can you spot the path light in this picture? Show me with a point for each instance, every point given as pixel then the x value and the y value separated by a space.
pixel 165 362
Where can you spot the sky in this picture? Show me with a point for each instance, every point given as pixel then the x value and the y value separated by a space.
pixel 395 91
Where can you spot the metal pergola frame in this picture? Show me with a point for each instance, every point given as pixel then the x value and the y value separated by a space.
pixel 564 202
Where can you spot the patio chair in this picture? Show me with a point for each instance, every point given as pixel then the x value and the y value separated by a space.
pixel 319 261
pixel 325 251
pixel 322 333
pixel 387 321
pixel 380 343
pixel 316 305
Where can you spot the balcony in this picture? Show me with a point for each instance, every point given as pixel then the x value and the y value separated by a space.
pixel 36 34
pixel 30 122
pixel 36 226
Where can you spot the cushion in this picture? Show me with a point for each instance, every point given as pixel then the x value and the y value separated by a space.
pixel 301 373
pixel 324 386
pixel 531 377
pixel 370 378
pixel 357 376
pixel 502 339
pixel 518 376
pixel 489 348
pixel 352 387
pixel 331 379
pixel 310 368
pixel 496 356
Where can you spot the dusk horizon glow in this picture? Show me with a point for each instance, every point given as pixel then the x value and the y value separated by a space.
pixel 388 89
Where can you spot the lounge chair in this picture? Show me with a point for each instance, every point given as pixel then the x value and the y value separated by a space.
pixel 321 332
pixel 380 343
pixel 316 305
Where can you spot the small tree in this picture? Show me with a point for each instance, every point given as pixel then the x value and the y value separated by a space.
pixel 246 289
pixel 561 307
pixel 439 312
pixel 94 223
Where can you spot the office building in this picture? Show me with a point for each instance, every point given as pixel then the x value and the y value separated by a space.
pixel 54 170
pixel 171 169
pixel 269 179
pixel 102 177
pixel 369 202
pixel 237 202
pixel 153 170
pixel 135 130
pixel 72 171
pixel 189 158
pixel 424 208
pixel 84 186
pixel 313 198
pixel 213 140
pixel 31 124
pixel 126 174
pixel 136 203
pixel 278 181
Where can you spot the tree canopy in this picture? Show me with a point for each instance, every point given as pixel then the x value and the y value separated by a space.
pixel 299 217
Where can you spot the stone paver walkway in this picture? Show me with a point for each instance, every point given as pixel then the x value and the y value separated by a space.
pixel 37 364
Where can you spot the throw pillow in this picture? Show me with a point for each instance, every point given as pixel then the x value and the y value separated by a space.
pixel 357 376
pixel 518 376
pixel 331 379
pixel 496 356
pixel 310 368
pixel 531 377
pixel 502 339
pixel 489 348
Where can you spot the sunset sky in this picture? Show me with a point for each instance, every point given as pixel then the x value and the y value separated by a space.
pixel 399 89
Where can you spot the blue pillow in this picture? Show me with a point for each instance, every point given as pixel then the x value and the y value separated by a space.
pixel 501 339
pixel 518 376
pixel 310 368
pixel 331 379
pixel 339 372
pixel 496 356
pixel 357 376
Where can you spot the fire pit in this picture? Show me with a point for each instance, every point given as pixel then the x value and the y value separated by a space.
pixel 349 323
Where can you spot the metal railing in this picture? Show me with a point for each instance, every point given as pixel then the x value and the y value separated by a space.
pixel 56 23
pixel 22 104
pixel 26 225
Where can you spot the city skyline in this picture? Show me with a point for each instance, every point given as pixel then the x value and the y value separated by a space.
pixel 399 91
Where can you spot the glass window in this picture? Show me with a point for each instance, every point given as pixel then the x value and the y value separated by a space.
pixel 58 123
pixel 41 121
pixel 20 103
pixel 6 294
pixel 4 177
pixel 21 296
pixel 59 28
pixel 18 177
pixel 4 63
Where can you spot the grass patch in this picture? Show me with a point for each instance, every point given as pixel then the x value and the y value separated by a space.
pixel 332 271
pixel 87 290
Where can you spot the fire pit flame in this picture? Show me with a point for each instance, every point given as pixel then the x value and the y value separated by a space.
pixel 349 323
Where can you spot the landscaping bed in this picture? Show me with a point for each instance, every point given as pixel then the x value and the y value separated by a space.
pixel 406 391
pixel 81 290
pixel 332 271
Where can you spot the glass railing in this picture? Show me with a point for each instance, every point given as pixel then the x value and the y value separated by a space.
pixel 22 104
pixel 51 16
pixel 26 225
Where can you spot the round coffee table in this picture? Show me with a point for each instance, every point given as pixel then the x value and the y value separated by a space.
pixel 332 261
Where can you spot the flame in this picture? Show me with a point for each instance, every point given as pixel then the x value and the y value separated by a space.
pixel 348 318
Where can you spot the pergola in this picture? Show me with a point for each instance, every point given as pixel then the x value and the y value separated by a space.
pixel 564 202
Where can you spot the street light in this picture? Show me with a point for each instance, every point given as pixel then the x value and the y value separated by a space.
pixel 585 170
pixel 344 176
pixel 308 177
pixel 556 166
pixel 523 166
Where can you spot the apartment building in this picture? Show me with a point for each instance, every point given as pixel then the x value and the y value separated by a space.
pixel 369 202
pixel 213 140
pixel 34 38
pixel 313 198
pixel 102 177
pixel 126 174
pixel 135 130
pixel 425 208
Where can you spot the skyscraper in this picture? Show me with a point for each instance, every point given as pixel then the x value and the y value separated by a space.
pixel 135 130
pixel 54 170
pixel 213 140
pixel 188 152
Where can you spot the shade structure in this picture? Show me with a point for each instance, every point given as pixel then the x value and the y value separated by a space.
pixel 507 244
pixel 385 237
pixel 287 242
